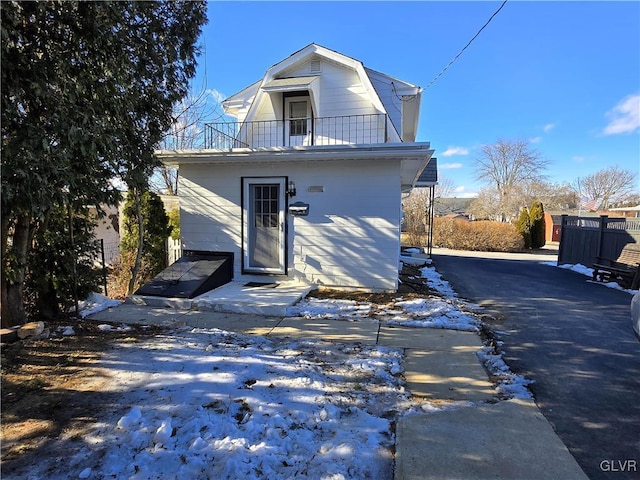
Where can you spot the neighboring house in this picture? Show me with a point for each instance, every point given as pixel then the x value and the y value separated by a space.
pixel 307 184
pixel 107 232
pixel 552 226
pixel 629 212
pixel 444 207
pixel 109 226
pixel 553 220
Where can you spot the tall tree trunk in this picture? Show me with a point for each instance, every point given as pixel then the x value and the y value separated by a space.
pixel 12 288
pixel 46 295
pixel 138 261
pixel 4 240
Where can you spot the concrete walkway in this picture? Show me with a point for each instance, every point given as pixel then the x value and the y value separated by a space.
pixel 486 439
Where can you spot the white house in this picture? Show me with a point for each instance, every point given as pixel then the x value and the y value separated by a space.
pixel 307 184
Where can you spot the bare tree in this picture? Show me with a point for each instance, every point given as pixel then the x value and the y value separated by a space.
pixel 629 201
pixel 485 205
pixel 415 207
pixel 608 186
pixel 186 133
pixel 445 187
pixel 507 166
pixel 554 196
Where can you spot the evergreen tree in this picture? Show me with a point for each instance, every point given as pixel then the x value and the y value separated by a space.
pixel 536 218
pixel 88 90
pixel 174 223
pixel 523 225
pixel 63 264
pixel 144 263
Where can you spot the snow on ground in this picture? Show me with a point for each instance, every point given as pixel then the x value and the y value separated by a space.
pixel 216 404
pixel 589 273
pixel 207 403
pixel 430 312
pixel 436 282
pixel 95 303
pixel 444 310
pixel 330 308
pixel 509 384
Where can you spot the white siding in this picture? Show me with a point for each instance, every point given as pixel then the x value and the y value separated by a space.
pixel 342 91
pixel 105 230
pixel 209 210
pixel 349 239
pixel 390 99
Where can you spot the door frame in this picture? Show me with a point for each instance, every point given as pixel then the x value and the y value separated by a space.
pixel 247 226
pixel 307 139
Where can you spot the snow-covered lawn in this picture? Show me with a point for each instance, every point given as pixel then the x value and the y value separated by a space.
pixel 207 403
pixel 216 404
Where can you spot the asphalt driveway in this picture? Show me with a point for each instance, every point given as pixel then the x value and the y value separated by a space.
pixel 574 339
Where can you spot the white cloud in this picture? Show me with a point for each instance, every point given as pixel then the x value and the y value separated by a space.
pixel 217 96
pixel 624 117
pixel 548 127
pixel 451 151
pixel 578 159
pixel 468 195
pixel 450 166
pixel 535 140
pixel 460 192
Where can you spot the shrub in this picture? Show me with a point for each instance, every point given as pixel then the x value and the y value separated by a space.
pixel 174 223
pixel 480 236
pixel 156 230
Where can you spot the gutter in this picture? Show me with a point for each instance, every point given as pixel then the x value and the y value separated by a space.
pixel 415 151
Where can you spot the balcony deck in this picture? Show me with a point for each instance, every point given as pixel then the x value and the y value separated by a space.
pixel 344 130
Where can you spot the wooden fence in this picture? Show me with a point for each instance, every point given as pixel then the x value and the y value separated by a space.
pixel 582 239
pixel 174 250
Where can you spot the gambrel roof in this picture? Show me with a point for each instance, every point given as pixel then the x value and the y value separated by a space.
pixel 398 99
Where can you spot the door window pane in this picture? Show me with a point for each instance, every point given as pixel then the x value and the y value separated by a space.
pixel 298 127
pixel 298 118
pixel 266 211
pixel 298 109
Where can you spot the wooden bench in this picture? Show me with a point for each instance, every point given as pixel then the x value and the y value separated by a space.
pixel 625 270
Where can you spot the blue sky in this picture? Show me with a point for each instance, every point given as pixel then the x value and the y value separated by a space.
pixel 564 76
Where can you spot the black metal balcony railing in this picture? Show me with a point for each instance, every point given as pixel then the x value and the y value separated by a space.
pixel 346 130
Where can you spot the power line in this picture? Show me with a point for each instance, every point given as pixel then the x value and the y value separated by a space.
pixel 466 46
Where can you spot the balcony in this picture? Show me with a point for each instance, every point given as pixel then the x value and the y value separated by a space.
pixel 346 130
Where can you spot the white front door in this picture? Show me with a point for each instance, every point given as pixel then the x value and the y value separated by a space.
pixel 297 122
pixel 263 241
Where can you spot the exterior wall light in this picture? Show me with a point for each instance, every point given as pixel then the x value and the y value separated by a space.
pixel 291 189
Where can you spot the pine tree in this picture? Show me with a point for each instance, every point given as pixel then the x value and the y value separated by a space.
pixel 62 263
pixel 88 90
pixel 536 218
pixel 523 225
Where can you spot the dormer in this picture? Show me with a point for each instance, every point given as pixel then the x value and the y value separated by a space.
pixel 319 97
